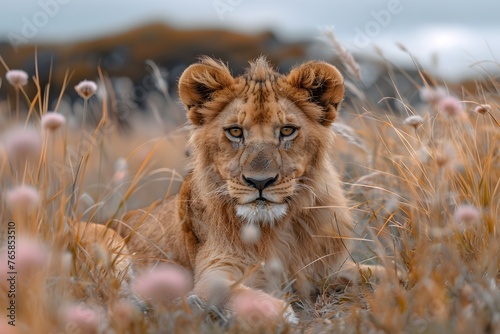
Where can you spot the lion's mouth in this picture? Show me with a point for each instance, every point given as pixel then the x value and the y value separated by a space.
pixel 261 211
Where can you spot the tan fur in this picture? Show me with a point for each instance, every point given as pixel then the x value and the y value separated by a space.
pixel 90 237
pixel 200 228
pixel 103 256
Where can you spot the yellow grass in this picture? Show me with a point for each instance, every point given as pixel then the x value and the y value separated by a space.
pixel 405 186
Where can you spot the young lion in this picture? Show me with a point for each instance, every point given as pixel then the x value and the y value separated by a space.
pixel 260 161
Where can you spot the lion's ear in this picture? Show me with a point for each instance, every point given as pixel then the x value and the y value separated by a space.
pixel 198 84
pixel 323 84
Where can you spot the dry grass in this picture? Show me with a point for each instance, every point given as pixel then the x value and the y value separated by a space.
pixel 426 197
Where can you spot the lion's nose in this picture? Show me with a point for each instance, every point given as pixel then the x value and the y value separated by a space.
pixel 260 184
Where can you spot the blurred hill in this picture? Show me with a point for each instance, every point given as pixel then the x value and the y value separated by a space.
pixel 125 54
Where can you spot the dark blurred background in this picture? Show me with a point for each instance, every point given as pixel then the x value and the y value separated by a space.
pixel 455 41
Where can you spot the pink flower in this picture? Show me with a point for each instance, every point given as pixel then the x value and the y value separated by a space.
pixel 53 121
pixel 32 256
pixel 255 307
pixel 22 198
pixel 17 78
pixel 81 318
pixel 450 106
pixel 432 95
pixel 5 328
pixel 163 284
pixel 466 216
pixel 22 143
pixel 86 89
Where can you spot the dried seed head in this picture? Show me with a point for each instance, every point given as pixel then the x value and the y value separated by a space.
pixel 22 198
pixel 414 121
pixel 482 109
pixel 450 106
pixel 250 234
pixel 53 121
pixel 86 89
pixel 17 78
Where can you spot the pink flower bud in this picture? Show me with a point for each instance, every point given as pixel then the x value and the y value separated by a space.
pixel 22 143
pixel 32 256
pixel 81 319
pixel 450 106
pixel 22 198
pixel 17 78
pixel 257 308
pixel 466 216
pixel 163 284
pixel 53 121
pixel 86 89
pixel 432 95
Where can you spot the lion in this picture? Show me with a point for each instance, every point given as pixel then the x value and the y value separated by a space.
pixel 261 148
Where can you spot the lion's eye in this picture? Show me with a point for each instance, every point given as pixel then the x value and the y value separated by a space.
pixel 287 131
pixel 235 132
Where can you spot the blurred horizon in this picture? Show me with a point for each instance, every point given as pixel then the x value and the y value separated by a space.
pixel 449 38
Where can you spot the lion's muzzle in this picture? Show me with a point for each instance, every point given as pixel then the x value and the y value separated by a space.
pixel 260 183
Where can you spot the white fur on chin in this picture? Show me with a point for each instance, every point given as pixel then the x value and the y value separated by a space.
pixel 261 213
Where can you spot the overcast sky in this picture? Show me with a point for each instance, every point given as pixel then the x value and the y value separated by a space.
pixel 461 32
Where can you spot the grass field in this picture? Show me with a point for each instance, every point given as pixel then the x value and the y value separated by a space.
pixel 424 184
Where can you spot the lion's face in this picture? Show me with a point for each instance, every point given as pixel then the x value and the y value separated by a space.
pixel 259 135
pixel 262 156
